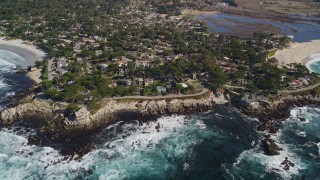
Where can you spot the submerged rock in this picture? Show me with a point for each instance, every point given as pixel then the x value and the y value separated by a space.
pixel 287 164
pixel 270 147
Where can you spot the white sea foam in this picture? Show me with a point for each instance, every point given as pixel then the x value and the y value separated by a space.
pixel 271 163
pixel 314 58
pixel 138 147
pixel 319 147
pixel 6 66
pixel 2 84
pixel 8 62
pixel 10 57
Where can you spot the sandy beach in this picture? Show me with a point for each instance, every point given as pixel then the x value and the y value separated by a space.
pixel 298 52
pixel 24 49
pixel 29 52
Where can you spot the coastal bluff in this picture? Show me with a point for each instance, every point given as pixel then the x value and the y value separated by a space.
pixel 74 136
pixel 144 109
pixel 35 108
pixel 110 110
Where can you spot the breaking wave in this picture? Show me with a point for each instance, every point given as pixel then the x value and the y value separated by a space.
pixel 314 63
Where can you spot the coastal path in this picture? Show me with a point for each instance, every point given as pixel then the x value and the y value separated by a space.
pixel 174 96
pixel 234 87
pixel 283 91
pixel 301 90
pixel 50 69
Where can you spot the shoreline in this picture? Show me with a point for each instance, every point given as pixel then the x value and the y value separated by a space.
pixel 190 12
pixel 298 53
pixel 73 136
pixel 29 52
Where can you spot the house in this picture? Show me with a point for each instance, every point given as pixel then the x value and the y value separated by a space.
pixel 304 81
pixel 242 82
pixel 104 67
pixel 250 100
pixel 161 89
pixel 297 82
pixel 98 52
pixel 148 82
pixel 184 85
pixel 82 113
pixel 125 82
pixel 139 82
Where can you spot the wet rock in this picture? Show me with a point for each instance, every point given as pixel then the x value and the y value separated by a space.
pixel 287 164
pixel 270 147
pixel 32 140
pixel 158 127
pixel 302 119
pixel 273 130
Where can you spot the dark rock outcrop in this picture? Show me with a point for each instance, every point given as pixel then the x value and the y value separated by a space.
pixel 270 147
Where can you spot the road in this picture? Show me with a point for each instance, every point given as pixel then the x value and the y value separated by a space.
pixel 234 87
pixel 204 91
pixel 50 69
pixel 301 90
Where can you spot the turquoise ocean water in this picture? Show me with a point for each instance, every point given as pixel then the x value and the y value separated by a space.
pixel 314 63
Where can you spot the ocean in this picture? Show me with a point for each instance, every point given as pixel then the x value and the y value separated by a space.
pixel 11 82
pixel 314 63
pixel 216 145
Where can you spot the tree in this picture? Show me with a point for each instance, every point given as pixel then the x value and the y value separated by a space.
pixel 93 106
pixel 38 64
pixel 51 93
pixel 216 76
pixel 47 84
pixel 113 68
pixel 237 75
pixel 179 87
pixel 250 85
pixel 71 109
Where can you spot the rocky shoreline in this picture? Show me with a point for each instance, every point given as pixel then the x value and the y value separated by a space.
pixel 75 136
pixel 271 117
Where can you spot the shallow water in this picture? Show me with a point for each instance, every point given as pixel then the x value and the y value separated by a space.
pixel 222 23
pixel 314 63
pixel 11 82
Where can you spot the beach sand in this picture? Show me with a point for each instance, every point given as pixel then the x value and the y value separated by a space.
pixel 35 76
pixel 298 52
pixel 28 51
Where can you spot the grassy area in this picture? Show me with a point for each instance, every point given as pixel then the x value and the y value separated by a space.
pixel 194 13
pixel 45 75
pixel 292 7
pixel 272 53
